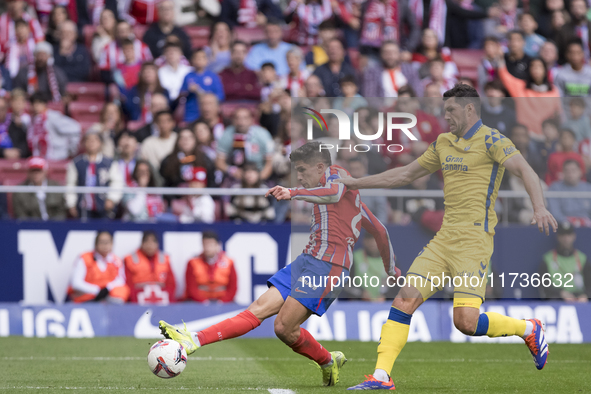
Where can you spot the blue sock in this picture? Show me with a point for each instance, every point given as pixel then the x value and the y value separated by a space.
pixel 482 327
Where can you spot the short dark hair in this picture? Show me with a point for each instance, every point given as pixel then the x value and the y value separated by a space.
pixel 274 21
pixel 126 42
pixel 310 152
pixel 552 122
pixel 197 50
pixel 327 25
pixel 524 14
pixel 149 234
pixel 569 131
pixel 210 234
pixel 268 64
pixel 407 89
pixel 490 39
pixel 158 114
pixel 579 101
pixel 464 95
pixel 574 41
pixel 348 79
pixel 238 42
pixel 21 22
pixel 39 97
pixel 519 126
pixel 169 45
pixel 571 161
pixel 101 232
pixel 512 32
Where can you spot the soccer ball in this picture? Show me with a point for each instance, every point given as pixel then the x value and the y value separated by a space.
pixel 167 359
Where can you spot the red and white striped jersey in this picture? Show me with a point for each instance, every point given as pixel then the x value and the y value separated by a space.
pixel 7 33
pixel 307 18
pixel 337 219
pixel 112 55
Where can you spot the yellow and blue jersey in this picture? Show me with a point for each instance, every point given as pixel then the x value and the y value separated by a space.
pixel 472 168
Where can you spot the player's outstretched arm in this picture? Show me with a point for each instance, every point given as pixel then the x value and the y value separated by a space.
pixel 373 225
pixel 395 177
pixel 520 168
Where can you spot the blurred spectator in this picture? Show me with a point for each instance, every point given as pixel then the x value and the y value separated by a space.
pixel 136 101
pixel 51 135
pixel 575 210
pixel 516 61
pixel 5 81
pixel 13 135
pixel 158 103
pixel 385 79
pixel 533 96
pixel 245 142
pixel 295 79
pixel 273 50
pixel 549 144
pixel 317 55
pixel 533 41
pixel 428 50
pixel 313 86
pixel 499 25
pixel 148 273
pixel 18 107
pixel 544 17
pixel 71 58
pixel 218 50
pixel 569 269
pixel 139 12
pixel 42 75
pixel 367 262
pixel 426 211
pixel 198 82
pixel 387 20
pixel 112 56
pixel 378 205
pixel 141 206
pixel 177 167
pixel 156 147
pixel 156 34
pixel 436 76
pixel 105 34
pixel 20 52
pixel 127 150
pixel 578 120
pixel 574 78
pixel 205 139
pixel 39 205
pixel 239 82
pixel 210 114
pixel 59 14
pixel 521 139
pixel 99 275
pixel 336 68
pixel 520 209
pixel 496 111
pixel 195 208
pixel 250 209
pixel 458 23
pixel 549 54
pixel 15 10
pixel 578 27
pixel 565 151
pixel 487 68
pixel 173 72
pixel 127 74
pixel 306 16
pixel 249 13
pixel 271 94
pixel 110 125
pixel 91 168
pixel 351 99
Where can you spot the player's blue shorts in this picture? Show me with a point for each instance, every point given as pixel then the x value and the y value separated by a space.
pixel 307 279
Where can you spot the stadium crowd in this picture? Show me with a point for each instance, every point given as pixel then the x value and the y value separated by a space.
pixel 161 93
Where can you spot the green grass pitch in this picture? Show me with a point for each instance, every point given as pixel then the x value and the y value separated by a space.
pixel 118 365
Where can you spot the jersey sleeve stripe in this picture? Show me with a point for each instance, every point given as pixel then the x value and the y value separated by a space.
pixel 491 188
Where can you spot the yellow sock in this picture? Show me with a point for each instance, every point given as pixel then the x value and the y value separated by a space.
pixel 394 337
pixel 503 326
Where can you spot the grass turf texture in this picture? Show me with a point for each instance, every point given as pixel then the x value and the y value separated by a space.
pixel 255 365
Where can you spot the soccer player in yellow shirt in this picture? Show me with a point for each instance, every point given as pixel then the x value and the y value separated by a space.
pixel 473 158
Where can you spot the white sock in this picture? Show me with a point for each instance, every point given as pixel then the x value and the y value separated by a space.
pixel 194 336
pixel 529 328
pixel 328 364
pixel 381 375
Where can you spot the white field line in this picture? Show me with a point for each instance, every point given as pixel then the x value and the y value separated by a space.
pixel 286 359
pixel 281 391
pixel 138 388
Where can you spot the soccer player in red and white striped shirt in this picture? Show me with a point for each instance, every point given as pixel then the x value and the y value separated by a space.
pixel 296 292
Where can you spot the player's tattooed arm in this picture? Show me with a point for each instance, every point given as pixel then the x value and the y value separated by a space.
pixel 395 177
pixel 517 166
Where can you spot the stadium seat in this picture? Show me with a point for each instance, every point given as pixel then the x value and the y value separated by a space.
pixel 56 106
pixel 229 107
pixel 87 91
pixel 199 35
pixel 249 35
pixel 467 61
pixel 85 111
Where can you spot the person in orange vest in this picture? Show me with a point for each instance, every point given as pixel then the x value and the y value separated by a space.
pixel 99 275
pixel 211 276
pixel 149 277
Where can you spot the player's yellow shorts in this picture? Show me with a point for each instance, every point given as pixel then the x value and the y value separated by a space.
pixel 458 257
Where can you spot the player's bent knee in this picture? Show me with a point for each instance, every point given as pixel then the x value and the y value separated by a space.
pixel 284 332
pixel 408 300
pixel 465 323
